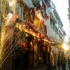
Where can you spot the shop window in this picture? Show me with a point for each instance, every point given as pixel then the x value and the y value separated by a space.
pixel 26 57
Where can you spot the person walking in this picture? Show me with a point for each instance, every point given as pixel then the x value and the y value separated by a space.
pixel 63 63
pixel 59 64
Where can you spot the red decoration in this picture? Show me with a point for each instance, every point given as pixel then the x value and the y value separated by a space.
pixel 22 43
pixel 47 17
pixel 39 34
pixel 42 37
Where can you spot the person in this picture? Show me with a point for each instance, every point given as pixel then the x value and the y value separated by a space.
pixel 69 63
pixel 58 64
pixel 63 63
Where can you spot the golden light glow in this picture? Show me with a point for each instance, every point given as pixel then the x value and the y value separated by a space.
pixel 8 19
pixel 0 52
pixel 10 15
pixel 65 46
pixel 33 34
pixel 39 14
pixel 11 3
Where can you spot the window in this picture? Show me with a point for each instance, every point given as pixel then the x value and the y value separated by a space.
pixel 51 23
pixel 20 10
pixel 44 7
pixel 56 30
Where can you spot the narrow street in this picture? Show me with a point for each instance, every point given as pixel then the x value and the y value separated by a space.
pixel 33 35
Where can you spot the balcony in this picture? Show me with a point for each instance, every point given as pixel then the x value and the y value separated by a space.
pixel 54 37
pixel 52 16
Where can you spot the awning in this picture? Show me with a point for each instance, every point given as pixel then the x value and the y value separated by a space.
pixel 28 3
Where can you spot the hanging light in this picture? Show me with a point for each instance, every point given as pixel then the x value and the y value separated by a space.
pixel 10 15
pixel 10 3
pixel 65 46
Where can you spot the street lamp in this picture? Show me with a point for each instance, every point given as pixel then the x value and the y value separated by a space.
pixel 65 46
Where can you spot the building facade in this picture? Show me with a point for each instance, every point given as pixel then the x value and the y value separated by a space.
pixel 55 31
pixel 29 36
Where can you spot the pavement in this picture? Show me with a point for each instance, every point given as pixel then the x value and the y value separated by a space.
pixel 67 68
pixel 44 68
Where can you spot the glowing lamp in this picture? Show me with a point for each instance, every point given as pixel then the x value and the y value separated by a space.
pixel 65 47
pixel 10 15
pixel 11 3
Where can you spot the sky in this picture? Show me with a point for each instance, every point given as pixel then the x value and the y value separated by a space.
pixel 62 9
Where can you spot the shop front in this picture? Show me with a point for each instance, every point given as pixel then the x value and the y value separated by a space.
pixel 31 50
